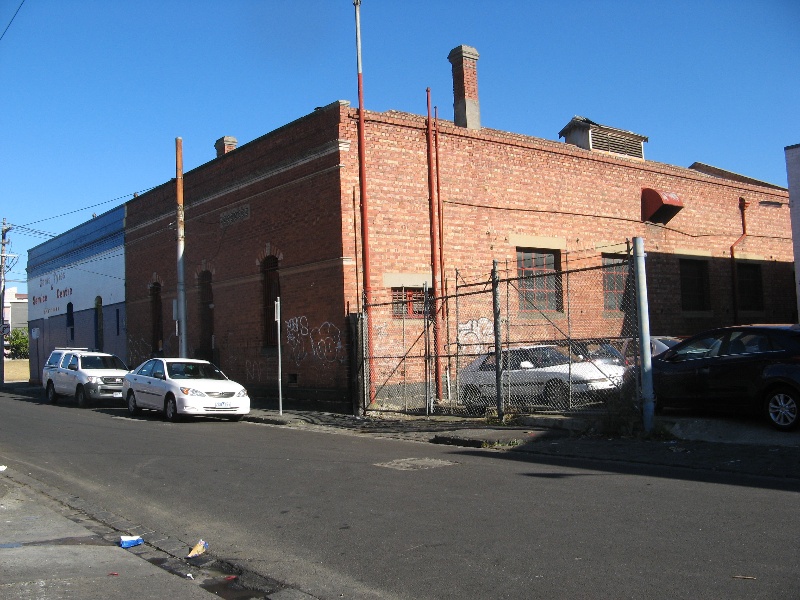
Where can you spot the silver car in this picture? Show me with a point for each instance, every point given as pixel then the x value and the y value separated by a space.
pixel 543 376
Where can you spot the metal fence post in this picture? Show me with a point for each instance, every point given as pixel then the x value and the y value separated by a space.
pixel 498 340
pixel 280 377
pixel 643 314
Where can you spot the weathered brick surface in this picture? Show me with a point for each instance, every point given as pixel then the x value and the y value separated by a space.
pixel 494 186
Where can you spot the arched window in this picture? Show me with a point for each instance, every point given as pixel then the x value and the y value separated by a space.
pixel 270 291
pixel 98 323
pixel 205 296
pixel 156 321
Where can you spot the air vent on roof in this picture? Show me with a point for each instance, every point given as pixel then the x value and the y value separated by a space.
pixel 612 142
pixel 589 135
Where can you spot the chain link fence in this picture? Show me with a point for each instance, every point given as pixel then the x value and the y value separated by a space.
pixel 534 340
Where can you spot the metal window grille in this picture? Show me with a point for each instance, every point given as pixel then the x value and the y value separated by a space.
pixel 408 303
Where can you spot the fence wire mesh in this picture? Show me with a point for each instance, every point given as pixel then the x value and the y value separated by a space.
pixel 541 340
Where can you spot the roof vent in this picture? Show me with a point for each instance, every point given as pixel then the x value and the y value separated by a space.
pixel 589 135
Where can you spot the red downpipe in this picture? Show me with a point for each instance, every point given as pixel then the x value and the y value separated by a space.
pixel 362 179
pixel 743 204
pixel 439 200
pixel 435 257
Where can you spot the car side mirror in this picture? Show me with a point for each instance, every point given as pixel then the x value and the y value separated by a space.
pixel 72 367
pixel 526 364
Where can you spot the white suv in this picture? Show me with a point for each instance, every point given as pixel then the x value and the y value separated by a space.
pixel 85 374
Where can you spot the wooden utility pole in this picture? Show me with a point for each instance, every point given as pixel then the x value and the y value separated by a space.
pixel 183 351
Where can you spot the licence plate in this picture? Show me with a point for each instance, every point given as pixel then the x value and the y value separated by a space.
pixel 223 404
pixel 117 394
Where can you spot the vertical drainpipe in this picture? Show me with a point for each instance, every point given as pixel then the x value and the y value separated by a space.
pixel 362 179
pixel 434 253
pixel 183 346
pixel 743 204
pixel 439 200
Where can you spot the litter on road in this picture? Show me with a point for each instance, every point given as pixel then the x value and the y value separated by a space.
pixel 128 541
pixel 198 549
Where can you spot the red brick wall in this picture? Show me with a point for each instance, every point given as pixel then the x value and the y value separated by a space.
pixel 494 186
pixel 294 214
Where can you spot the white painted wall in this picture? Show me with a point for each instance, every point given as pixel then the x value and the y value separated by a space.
pixel 80 283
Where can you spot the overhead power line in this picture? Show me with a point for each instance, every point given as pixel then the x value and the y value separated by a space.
pixel 26 230
pixel 12 20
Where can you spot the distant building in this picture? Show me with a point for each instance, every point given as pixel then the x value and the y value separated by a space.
pixel 279 217
pixel 15 310
pixel 76 290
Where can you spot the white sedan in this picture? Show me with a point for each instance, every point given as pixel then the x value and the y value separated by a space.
pixel 183 386
pixel 540 376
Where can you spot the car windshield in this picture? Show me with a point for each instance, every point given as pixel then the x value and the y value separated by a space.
pixel 192 370
pixel 103 362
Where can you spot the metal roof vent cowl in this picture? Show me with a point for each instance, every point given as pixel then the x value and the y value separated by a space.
pixel 587 134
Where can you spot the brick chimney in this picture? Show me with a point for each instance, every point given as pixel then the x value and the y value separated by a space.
pixel 225 144
pixel 466 108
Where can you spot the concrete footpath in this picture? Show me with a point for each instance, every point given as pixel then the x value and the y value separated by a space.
pixel 53 548
pixel 46 554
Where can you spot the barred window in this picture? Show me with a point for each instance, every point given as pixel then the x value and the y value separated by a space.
pixel 540 280
pixel 695 289
pixel 615 274
pixel 408 302
pixel 751 291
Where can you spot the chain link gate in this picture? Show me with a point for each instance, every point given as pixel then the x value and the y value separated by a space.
pixel 536 340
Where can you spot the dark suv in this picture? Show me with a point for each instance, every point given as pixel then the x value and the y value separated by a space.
pixel 753 368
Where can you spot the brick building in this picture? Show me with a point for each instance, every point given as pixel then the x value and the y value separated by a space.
pixel 279 217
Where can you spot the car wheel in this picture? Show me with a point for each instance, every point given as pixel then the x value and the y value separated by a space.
pixel 133 408
pixel 557 393
pixel 171 410
pixel 50 392
pixel 81 398
pixel 781 408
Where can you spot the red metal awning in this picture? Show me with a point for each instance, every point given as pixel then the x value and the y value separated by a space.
pixel 659 206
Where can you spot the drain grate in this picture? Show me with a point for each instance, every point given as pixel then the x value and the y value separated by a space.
pixel 416 464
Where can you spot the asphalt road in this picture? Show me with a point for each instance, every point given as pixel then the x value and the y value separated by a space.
pixel 352 516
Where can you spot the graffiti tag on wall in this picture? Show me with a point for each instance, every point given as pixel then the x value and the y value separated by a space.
pixel 323 343
pixel 475 336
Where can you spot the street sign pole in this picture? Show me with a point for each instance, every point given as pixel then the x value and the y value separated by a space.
pixel 278 325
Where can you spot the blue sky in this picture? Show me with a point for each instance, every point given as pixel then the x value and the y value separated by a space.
pixel 94 92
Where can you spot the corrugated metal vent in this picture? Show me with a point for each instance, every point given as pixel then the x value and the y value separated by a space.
pixel 608 141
